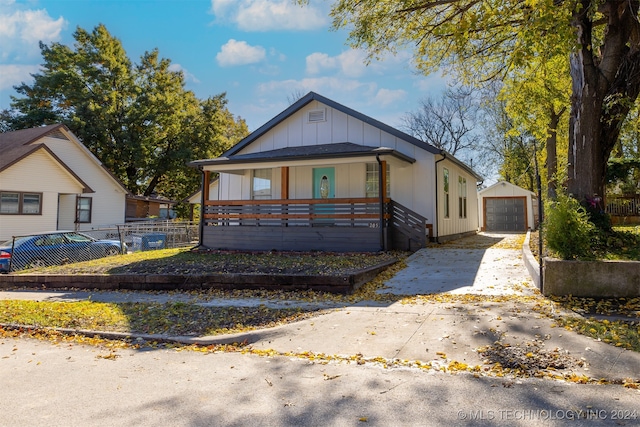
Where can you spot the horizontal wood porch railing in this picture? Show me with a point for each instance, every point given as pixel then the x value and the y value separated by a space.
pixel 351 212
pixel 410 224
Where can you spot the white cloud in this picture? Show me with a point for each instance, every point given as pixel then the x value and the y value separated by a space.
pixel 351 63
pixel 268 15
pixel 239 53
pixel 12 75
pixel 318 62
pixel 386 97
pixel 187 75
pixel 21 30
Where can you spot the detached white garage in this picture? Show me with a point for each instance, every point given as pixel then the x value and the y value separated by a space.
pixel 506 207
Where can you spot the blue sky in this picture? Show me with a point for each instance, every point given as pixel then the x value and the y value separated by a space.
pixel 260 52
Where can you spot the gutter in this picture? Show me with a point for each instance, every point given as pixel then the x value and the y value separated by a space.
pixel 437 233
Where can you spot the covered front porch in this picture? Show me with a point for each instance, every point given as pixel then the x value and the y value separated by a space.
pixel 311 199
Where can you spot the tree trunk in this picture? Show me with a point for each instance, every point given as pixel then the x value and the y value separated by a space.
pixel 605 85
pixel 552 157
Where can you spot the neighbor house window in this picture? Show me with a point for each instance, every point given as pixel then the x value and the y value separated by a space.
pixel 445 183
pixel 462 197
pixel 18 203
pixel 373 180
pixel 83 209
pixel 261 184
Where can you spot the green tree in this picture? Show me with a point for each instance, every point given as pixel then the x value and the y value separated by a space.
pixel 138 119
pixel 489 39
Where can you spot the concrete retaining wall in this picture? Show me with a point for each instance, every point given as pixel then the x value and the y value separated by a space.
pixel 595 279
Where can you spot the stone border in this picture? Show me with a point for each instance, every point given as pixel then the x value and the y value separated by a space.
pixel 346 283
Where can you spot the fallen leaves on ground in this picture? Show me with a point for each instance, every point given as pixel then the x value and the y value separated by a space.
pixel 149 318
pixel 185 262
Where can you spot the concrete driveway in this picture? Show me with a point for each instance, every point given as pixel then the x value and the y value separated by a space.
pixel 484 264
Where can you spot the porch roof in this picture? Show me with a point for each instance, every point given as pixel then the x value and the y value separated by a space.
pixel 310 152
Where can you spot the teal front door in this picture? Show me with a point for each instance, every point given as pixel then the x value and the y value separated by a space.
pixel 324 187
pixel 324 183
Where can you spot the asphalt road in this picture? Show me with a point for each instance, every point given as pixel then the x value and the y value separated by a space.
pixel 75 385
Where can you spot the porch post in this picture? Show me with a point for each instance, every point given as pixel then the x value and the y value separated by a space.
pixel 284 184
pixel 284 193
pixel 204 197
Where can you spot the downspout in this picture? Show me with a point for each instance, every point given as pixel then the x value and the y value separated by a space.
pixel 444 156
pixel 381 185
pixel 202 207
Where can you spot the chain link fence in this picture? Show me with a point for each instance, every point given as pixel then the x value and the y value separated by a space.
pixel 65 247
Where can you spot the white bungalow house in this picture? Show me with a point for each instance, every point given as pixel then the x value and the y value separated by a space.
pixel 507 207
pixel 50 181
pixel 309 179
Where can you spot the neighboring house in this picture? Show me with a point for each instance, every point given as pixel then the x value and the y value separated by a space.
pixel 149 207
pixel 507 207
pixel 309 179
pixel 50 181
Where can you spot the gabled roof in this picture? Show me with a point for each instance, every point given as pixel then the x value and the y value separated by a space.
pixel 305 152
pixel 17 145
pixel 507 184
pixel 312 96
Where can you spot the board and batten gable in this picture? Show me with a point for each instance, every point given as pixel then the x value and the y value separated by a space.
pixel 109 197
pixel 41 173
pixel 412 185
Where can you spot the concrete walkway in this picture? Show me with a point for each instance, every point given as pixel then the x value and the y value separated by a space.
pixel 452 325
pixel 485 264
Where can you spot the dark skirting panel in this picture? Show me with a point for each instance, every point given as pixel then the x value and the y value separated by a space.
pixel 323 238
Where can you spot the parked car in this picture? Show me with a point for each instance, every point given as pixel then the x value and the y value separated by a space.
pixel 62 247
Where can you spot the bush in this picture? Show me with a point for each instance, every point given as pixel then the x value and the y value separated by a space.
pixel 567 228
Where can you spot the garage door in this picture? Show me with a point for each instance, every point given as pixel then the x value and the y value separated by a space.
pixel 505 214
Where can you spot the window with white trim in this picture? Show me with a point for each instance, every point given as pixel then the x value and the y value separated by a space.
pixel 445 184
pixel 462 197
pixel 261 184
pixel 372 180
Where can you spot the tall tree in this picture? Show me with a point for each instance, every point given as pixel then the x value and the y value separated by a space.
pixel 537 98
pixel 488 39
pixel 138 119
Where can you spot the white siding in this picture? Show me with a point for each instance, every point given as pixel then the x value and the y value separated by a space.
pixel 108 206
pixel 412 185
pixel 454 224
pixel 38 173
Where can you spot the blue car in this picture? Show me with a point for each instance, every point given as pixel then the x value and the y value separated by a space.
pixel 40 250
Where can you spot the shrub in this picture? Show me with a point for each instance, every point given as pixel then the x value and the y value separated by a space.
pixel 567 228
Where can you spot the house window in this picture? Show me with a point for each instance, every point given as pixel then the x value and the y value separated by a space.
pixel 261 184
pixel 83 209
pixel 18 203
pixel 445 183
pixel 462 197
pixel 372 180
